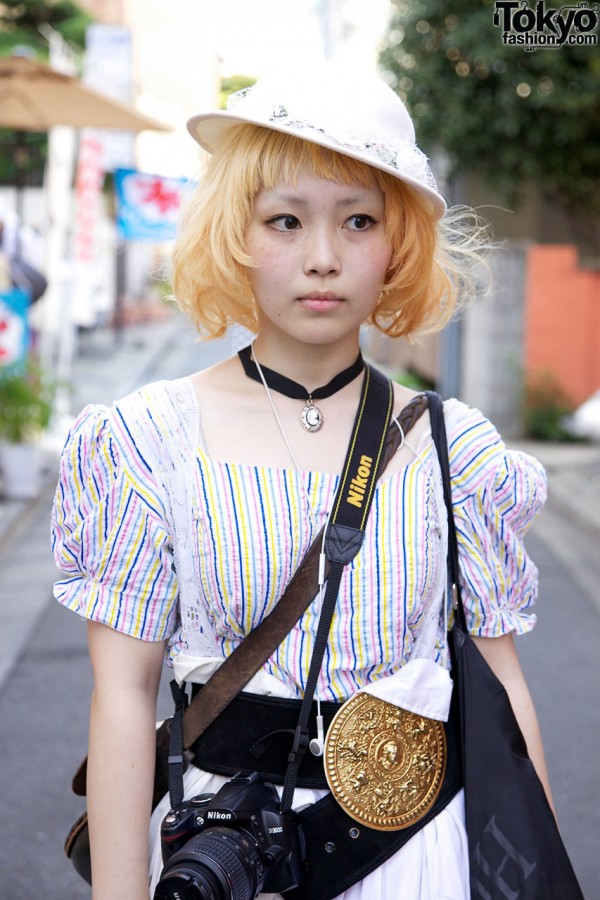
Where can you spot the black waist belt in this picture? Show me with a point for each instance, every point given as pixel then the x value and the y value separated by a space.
pixel 255 734
pixel 340 852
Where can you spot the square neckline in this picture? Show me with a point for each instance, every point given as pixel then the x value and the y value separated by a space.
pixel 418 450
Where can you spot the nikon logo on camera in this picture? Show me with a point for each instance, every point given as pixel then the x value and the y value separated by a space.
pixel 358 485
pixel 215 814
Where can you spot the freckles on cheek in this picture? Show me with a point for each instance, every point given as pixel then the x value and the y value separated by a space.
pixel 276 313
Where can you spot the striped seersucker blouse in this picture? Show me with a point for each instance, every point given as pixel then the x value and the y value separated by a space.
pixel 252 526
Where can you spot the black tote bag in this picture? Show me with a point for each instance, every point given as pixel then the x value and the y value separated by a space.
pixel 515 849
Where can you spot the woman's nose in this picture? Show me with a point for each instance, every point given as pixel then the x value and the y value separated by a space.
pixel 322 255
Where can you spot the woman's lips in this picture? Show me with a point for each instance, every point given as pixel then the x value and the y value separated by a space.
pixel 321 302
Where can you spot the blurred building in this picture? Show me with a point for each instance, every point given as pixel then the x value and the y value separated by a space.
pixel 175 72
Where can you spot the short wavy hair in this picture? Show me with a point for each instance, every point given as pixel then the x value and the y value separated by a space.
pixel 429 273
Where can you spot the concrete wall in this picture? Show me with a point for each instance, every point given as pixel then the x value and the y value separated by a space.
pixel 492 342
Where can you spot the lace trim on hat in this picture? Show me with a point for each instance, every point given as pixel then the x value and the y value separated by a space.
pixel 403 156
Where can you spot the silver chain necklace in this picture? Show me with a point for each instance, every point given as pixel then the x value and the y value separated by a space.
pixel 275 413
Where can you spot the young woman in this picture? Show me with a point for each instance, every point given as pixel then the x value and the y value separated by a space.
pixel 316 214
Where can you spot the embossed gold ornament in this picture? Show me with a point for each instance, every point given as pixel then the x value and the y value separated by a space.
pixel 384 765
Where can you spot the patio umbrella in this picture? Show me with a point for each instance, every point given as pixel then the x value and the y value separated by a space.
pixel 34 97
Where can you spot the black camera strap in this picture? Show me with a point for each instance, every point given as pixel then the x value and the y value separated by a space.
pixel 344 537
pixel 176 759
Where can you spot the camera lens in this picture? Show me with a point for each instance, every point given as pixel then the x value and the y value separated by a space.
pixel 184 882
pixel 218 864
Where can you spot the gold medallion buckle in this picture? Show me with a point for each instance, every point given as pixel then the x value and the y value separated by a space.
pixel 384 765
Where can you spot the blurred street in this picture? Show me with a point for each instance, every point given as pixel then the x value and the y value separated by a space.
pixel 45 677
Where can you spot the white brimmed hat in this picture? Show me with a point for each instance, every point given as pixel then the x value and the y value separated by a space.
pixel 353 113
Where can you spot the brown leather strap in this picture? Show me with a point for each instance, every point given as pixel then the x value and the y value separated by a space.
pixel 238 668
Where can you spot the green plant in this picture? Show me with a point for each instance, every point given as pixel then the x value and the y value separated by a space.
pixel 25 405
pixel 545 407
pixel 412 380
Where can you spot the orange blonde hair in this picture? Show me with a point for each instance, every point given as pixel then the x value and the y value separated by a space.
pixel 430 264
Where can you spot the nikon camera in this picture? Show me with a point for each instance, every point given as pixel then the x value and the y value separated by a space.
pixel 230 845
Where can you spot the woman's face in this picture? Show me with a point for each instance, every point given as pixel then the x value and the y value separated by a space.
pixel 321 257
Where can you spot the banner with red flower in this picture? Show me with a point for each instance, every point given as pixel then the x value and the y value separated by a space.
pixel 148 205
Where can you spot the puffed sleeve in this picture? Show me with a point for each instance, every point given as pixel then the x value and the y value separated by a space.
pixel 496 494
pixel 109 534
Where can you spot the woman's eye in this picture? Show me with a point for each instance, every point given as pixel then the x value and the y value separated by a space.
pixel 285 223
pixel 360 222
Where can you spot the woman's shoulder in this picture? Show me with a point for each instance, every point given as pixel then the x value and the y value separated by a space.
pixel 134 429
pixel 479 456
pixel 159 416
pixel 149 402
pixel 158 398
pixel 461 418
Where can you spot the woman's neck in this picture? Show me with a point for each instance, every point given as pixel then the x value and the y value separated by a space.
pixel 308 364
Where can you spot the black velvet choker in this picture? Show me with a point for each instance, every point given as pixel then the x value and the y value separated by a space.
pixel 311 416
